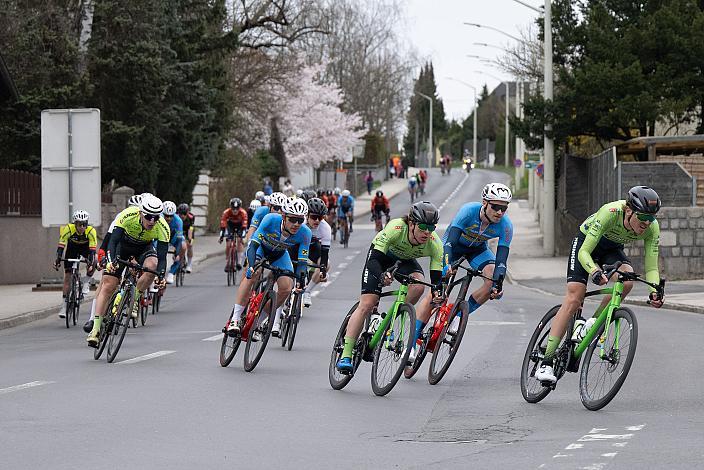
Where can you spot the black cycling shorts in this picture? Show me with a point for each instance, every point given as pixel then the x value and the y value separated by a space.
pixel 373 285
pixel 315 251
pixel 233 229
pixel 138 252
pixel 73 251
pixel 605 252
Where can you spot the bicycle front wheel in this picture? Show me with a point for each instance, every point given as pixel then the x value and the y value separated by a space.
pixel 391 353
pixel 603 375
pixel 531 388
pixel 448 344
pixel 229 344
pixel 144 306
pixel 105 328
pixel 121 322
pixel 259 333
pixel 293 320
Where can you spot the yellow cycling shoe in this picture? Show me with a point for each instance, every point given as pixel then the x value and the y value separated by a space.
pixel 93 339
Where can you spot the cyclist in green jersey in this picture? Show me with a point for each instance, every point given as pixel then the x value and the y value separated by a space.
pixel 136 229
pixel 403 240
pixel 600 241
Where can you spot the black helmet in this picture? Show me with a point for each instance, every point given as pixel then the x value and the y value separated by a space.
pixel 235 203
pixel 309 194
pixel 317 206
pixel 643 199
pixel 379 194
pixel 183 208
pixel 424 212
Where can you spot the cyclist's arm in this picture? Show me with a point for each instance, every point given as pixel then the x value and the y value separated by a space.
pixel 453 238
pixel 64 234
pixel 162 249
pixel 651 249
pixel 113 251
pixel 245 217
pixel 223 222
pixel 597 227
pixel 92 243
pixel 502 250
pixel 376 260
pixel 436 258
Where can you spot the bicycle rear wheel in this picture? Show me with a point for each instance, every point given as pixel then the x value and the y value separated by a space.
pixel 337 379
pixel 229 344
pixel 448 344
pixel 144 306
pixel 532 390
pixel 255 347
pixel 391 353
pixel 121 322
pixel 293 320
pixel 410 371
pixel 602 378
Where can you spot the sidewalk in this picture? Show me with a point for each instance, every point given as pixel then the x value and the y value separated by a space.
pixel 529 267
pixel 20 305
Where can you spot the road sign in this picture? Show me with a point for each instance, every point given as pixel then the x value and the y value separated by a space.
pixel 70 165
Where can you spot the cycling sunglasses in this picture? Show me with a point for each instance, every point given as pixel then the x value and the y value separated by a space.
pixel 426 227
pixel 276 208
pixel 151 217
pixel 499 207
pixel 81 224
pixel 645 217
pixel 315 217
pixel 295 220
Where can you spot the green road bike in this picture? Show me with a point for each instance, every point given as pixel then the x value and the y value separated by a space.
pixel 386 343
pixel 610 346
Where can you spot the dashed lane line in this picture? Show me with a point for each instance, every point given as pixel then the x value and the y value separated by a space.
pixel 146 357
pixel 16 388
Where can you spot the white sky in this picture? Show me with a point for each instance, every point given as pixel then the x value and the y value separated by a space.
pixel 435 28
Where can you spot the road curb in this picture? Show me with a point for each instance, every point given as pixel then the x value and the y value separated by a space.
pixel 641 303
pixel 29 317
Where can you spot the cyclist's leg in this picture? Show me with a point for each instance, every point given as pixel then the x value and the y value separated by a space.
pixel 482 261
pixel 108 284
pixel 177 252
pixel 612 257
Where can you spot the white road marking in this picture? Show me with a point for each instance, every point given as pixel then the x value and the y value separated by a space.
pixel 604 437
pixel 146 357
pixel 350 257
pixel 315 293
pixel 217 337
pixel 596 436
pixel 15 388
pixel 342 265
pixel 574 446
pixel 597 430
pixel 610 454
pixel 619 444
pixel 635 428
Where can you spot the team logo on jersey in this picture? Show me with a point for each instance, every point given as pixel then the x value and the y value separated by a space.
pixel 304 252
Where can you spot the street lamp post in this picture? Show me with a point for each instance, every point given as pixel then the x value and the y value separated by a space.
pixel 430 126
pixel 474 131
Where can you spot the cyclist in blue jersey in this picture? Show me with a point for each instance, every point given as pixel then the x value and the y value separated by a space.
pixel 474 225
pixel 177 239
pixel 275 234
pixel 272 204
pixel 345 211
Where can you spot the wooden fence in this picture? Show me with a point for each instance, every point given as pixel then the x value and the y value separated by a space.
pixel 20 193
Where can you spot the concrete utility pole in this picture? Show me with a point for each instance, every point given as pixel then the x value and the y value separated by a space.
pixel 549 146
pixel 430 124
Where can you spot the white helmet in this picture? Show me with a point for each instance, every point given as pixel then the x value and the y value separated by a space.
pixel 80 216
pixel 496 192
pixel 151 205
pixel 299 193
pixel 169 208
pixel 278 199
pixel 145 195
pixel 345 193
pixel 254 205
pixel 260 196
pixel 296 206
pixel 134 200
pixel 336 190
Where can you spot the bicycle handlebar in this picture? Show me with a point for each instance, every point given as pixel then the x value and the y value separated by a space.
pixel 471 271
pixel 611 269
pixel 136 266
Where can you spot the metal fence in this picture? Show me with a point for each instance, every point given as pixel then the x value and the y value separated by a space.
pixel 587 183
pixel 20 193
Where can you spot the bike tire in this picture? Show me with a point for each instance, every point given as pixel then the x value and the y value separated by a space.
pixel 229 344
pixel 157 299
pixel 144 308
pixel 439 366
pixel 121 321
pixel 252 354
pixel 293 320
pixel 285 327
pixel 337 380
pixel 105 329
pixel 593 365
pixel 410 371
pixel 531 389
pixel 399 349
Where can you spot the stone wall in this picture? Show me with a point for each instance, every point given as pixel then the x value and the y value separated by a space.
pixel 27 250
pixel 681 244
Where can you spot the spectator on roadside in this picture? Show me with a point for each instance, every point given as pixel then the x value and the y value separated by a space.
pixel 268 189
pixel 369 179
pixel 288 188
pixel 392 169
pixel 399 170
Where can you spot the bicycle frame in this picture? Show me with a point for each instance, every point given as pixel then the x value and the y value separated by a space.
pixel 605 316
pixel 390 316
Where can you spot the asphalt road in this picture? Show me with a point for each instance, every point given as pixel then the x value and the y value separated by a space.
pixel 172 406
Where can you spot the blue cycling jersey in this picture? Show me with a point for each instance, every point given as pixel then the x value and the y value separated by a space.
pixel 270 229
pixel 465 235
pixel 176 226
pixel 343 207
pixel 258 216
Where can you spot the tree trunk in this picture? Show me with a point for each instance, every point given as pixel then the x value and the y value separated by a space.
pixel 276 148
